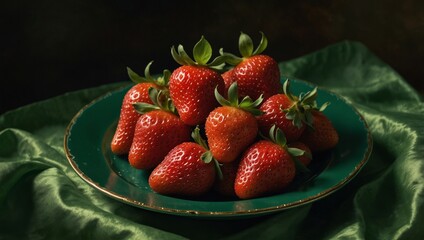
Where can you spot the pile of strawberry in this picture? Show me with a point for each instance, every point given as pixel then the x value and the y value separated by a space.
pixel 226 125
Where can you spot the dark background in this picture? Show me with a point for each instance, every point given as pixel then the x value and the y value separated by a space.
pixel 49 47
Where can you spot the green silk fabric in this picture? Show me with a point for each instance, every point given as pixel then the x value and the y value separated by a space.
pixel 41 197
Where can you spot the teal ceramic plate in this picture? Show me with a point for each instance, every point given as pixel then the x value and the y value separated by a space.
pixel 87 146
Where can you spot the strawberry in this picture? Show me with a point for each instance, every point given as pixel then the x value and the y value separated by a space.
pixel 288 112
pixel 123 136
pixel 266 167
pixel 256 73
pixel 157 131
pixel 187 170
pixel 231 128
pixel 192 85
pixel 321 135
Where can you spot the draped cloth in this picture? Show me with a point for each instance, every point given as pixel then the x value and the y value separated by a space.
pixel 41 197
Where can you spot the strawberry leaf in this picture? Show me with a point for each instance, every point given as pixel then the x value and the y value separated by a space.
pixel 218 169
pixel 286 90
pixel 324 106
pixel 202 51
pixel 296 152
pixel 153 95
pixel 310 97
pixel 143 108
pixel 147 71
pixel 271 133
pixel 251 106
pixel 186 58
pixel 221 100
pixel 245 45
pixel 160 100
pixel 262 45
pixel 176 56
pixel 135 78
pixel 280 138
pixel 233 94
pixel 198 138
pixel 206 157
pixel 230 58
pixel 164 79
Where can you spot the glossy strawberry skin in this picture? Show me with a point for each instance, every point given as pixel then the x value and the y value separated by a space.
pixel 323 136
pixel 273 114
pixel 191 89
pixel 230 131
pixel 122 139
pixel 257 75
pixel 156 133
pixel 265 168
pixel 182 172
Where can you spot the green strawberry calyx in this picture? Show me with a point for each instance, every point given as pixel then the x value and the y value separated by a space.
pixel 206 156
pixel 160 99
pixel 276 135
pixel 161 80
pixel 202 53
pixel 302 106
pixel 246 49
pixel 246 104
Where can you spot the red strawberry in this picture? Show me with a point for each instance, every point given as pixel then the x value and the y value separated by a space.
pixel 322 135
pixel 157 131
pixel 192 85
pixel 288 112
pixel 182 172
pixel 266 167
pixel 231 128
pixel 256 74
pixel 187 170
pixel 122 139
